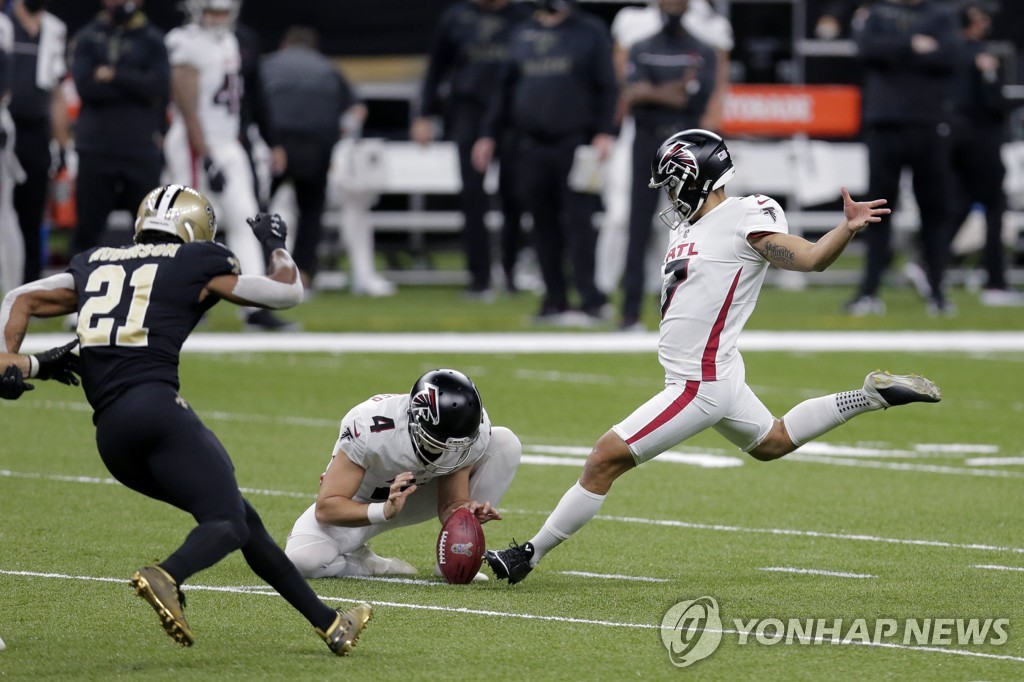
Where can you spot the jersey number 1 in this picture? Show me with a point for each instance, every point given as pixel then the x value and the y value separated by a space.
pixel 96 325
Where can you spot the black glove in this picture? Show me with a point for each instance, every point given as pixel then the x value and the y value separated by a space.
pixel 12 384
pixel 215 177
pixel 270 230
pixel 59 364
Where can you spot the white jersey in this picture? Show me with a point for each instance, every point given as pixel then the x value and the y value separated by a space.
pixel 712 277
pixel 217 58
pixel 375 436
pixel 633 24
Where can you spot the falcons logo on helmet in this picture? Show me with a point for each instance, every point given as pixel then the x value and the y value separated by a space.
pixel 424 405
pixel 678 155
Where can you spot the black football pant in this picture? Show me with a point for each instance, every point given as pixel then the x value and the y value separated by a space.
pixel 464 129
pixel 927 154
pixel 563 224
pixel 32 147
pixel 152 442
pixel 978 173
pixel 309 162
pixel 107 184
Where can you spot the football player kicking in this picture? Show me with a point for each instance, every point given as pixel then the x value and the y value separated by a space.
pixel 718 254
pixel 401 460
pixel 136 306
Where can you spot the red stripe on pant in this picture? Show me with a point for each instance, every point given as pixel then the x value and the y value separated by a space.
pixel 669 413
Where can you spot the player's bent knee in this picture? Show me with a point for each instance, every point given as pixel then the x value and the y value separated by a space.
pixel 775 445
pixel 609 459
pixel 310 554
pixel 505 446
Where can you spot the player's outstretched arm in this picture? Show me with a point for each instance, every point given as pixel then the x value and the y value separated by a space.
pixel 790 252
pixel 48 297
pixel 281 287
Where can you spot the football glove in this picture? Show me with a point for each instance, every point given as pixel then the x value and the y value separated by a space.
pixel 270 229
pixel 12 384
pixel 215 177
pixel 59 364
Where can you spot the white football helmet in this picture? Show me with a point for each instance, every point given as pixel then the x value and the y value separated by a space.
pixel 197 8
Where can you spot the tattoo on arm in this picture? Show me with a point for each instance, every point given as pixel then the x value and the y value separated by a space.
pixel 778 254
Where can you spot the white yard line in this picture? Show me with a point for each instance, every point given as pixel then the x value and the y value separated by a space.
pixel 562 342
pixel 993 567
pixel 614 576
pixel 993 461
pixel 901 466
pixel 260 591
pixel 670 523
pixel 815 571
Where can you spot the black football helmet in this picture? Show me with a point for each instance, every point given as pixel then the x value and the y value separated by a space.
pixel 690 165
pixel 445 413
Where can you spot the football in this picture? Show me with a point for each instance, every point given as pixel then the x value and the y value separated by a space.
pixel 460 547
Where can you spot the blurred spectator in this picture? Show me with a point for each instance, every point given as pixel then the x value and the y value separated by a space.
pixel 119 64
pixel 258 135
pixel 12 245
pixel 908 48
pixel 979 131
pixel 307 98
pixel 631 25
pixel 558 92
pixel 833 19
pixel 468 50
pixel 669 80
pixel 40 114
pixel 202 149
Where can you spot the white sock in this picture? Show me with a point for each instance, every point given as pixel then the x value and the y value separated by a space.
pixel 574 510
pixel 817 416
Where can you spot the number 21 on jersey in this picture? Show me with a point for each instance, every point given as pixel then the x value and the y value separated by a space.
pixel 106 290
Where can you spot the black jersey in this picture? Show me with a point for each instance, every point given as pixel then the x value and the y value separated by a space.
pixel 136 307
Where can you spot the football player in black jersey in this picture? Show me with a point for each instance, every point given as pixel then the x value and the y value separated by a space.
pixel 136 306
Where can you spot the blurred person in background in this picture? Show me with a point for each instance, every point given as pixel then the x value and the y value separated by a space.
pixel 909 49
pixel 631 25
pixel 557 92
pixel 40 115
pixel 267 157
pixel 670 78
pixel 122 75
pixel 202 148
pixel 307 98
pixel 469 48
pixel 979 131
pixel 12 244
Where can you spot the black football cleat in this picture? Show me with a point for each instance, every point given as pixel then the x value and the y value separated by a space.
pixel 889 390
pixel 341 637
pixel 154 585
pixel 263 320
pixel 512 564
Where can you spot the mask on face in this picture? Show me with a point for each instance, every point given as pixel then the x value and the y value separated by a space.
pixel 34 6
pixel 122 13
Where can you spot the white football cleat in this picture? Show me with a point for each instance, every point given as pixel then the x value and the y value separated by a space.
pixel 372 564
pixel 888 390
pixel 478 578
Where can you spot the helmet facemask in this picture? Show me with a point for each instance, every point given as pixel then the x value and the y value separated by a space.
pixel 431 450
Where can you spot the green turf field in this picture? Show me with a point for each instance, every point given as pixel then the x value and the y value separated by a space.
pixel 914 497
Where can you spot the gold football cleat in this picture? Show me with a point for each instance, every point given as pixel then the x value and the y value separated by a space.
pixel 154 585
pixel 341 637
